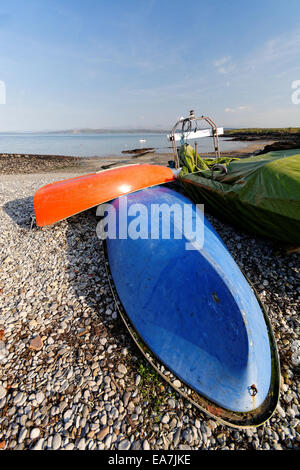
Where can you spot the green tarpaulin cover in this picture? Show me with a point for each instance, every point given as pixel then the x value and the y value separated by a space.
pixel 260 194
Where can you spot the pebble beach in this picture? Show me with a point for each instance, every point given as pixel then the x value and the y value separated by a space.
pixel 70 375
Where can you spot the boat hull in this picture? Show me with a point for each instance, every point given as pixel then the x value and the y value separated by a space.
pixel 196 313
pixel 62 199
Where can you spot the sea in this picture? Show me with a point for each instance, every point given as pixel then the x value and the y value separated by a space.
pixel 102 145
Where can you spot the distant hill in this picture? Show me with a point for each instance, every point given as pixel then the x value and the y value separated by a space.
pixel 110 131
pixel 91 131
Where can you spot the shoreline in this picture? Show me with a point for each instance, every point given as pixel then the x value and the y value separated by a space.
pixel 34 163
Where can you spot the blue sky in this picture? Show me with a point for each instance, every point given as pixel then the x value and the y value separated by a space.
pixel 137 63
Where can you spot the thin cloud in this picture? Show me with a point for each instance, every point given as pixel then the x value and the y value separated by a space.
pixel 235 110
pixel 222 61
pixel 224 65
pixel 277 50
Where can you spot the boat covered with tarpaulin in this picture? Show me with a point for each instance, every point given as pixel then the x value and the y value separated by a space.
pixel 260 194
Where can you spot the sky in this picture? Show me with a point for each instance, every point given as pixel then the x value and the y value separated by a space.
pixel 144 63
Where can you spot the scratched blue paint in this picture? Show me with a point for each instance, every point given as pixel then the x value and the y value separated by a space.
pixel 194 309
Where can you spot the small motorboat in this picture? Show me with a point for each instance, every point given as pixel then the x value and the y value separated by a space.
pixel 196 312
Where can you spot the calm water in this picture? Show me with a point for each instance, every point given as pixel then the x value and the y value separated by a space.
pixel 96 144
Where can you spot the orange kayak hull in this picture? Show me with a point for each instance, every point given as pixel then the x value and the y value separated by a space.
pixel 62 199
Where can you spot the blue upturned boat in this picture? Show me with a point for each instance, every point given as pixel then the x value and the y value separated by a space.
pixel 197 314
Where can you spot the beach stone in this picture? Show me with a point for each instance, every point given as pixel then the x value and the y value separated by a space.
pixel 108 440
pixel 165 419
pixel 103 420
pixel 122 369
pixel 34 433
pixel 126 397
pixel 56 443
pixel 177 383
pixel 136 445
pixel 197 423
pixel 81 444
pixel 295 347
pixel 103 433
pixel 138 380
pixel 69 446
pixel 39 444
pixel 171 403
pixel 22 435
pixel 124 445
pixel 177 436
pixel 36 343
pixel 67 415
pixel 2 402
pixel 23 420
pixel 146 445
pixel 18 398
pixel 40 398
pixel 184 447
pixel 280 411
pixel 2 392
pixel 187 436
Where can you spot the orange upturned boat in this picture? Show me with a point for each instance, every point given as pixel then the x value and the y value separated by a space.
pixel 62 199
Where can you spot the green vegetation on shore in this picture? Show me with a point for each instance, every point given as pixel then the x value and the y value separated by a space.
pixel 265 131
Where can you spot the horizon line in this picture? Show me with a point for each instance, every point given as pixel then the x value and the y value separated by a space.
pixel 90 130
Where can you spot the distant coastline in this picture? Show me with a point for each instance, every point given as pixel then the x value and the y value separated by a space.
pixel 279 138
pixel 111 131
pixel 90 131
pixel 250 133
